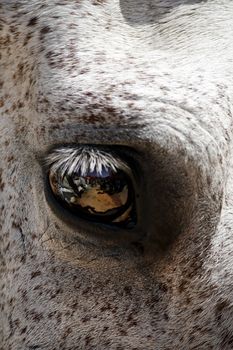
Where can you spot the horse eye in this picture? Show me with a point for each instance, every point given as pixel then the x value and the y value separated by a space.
pixel 94 185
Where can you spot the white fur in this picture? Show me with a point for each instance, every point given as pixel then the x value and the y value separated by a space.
pixel 152 75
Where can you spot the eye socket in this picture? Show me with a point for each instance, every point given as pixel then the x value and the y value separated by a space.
pixel 94 185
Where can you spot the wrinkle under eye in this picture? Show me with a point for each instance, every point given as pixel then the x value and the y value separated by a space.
pixel 93 184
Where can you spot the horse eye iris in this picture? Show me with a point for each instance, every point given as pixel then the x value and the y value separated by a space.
pixel 103 195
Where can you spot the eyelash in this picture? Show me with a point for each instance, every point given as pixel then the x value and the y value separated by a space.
pixel 83 159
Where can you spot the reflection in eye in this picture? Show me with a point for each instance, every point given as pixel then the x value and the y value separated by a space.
pixel 93 184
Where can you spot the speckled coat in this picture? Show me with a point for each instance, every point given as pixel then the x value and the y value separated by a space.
pixel 154 76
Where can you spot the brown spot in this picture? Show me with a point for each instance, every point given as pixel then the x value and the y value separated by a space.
pixel 36 315
pixel 98 2
pixel 221 305
pixel 197 311
pixel 23 330
pixel 35 274
pixel 2 185
pixel 128 290
pixel 45 30
pixel 27 38
pixel 33 21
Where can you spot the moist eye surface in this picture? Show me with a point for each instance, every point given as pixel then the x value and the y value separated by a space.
pixel 94 184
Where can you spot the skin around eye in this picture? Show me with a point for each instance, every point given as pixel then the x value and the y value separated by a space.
pixel 103 194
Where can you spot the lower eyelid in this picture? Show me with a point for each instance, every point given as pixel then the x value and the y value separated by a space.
pixel 73 229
